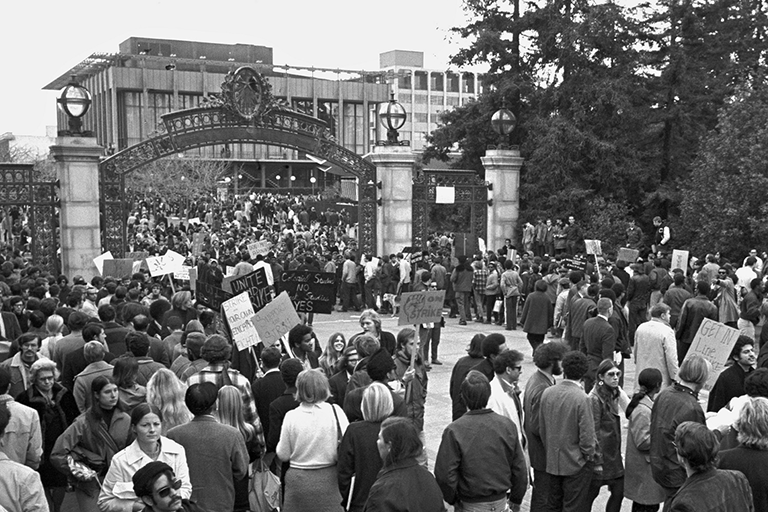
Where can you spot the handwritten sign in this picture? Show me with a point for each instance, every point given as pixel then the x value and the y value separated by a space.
pixel 679 259
pixel 118 267
pixel 311 292
pixel 210 296
pixel 575 264
pixel 99 261
pixel 137 256
pixel 182 273
pixel 421 307
pixel 593 247
pixel 261 247
pixel 275 319
pixel 197 244
pixel 238 312
pixel 714 342
pixel 230 271
pixel 628 255
pixel 255 285
pixel 166 264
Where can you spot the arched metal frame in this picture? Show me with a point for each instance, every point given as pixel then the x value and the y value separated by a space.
pixel 469 189
pixel 222 121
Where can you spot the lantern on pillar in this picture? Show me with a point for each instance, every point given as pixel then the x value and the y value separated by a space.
pixel 503 122
pixel 392 116
pixel 74 101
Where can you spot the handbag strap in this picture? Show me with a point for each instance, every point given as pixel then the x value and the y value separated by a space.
pixel 338 425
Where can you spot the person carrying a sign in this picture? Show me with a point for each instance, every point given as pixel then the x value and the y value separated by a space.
pixel 411 371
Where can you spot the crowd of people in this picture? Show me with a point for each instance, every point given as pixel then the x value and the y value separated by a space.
pixel 128 393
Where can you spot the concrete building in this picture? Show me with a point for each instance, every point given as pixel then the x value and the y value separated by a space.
pixel 147 78
pixel 425 93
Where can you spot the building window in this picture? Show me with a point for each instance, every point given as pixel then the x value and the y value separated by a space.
pixel 328 111
pixel 303 106
pixel 420 80
pixel 436 81
pixel 436 100
pixel 404 80
pixel 420 117
pixel 420 99
pixel 468 83
pixel 452 101
pixel 159 104
pixel 129 129
pixel 354 129
pixel 452 80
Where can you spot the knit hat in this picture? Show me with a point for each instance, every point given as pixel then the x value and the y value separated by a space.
pixel 380 363
pixel 145 476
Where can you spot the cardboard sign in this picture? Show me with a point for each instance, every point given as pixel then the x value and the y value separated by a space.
pixel 261 247
pixel 628 255
pixel 481 246
pixel 210 296
pixel 194 221
pixel 166 264
pixel 679 260
pixel 593 247
pixel 275 319
pixel 575 264
pixel 193 278
pixel 714 342
pixel 118 267
pixel 182 274
pixel 99 261
pixel 255 285
pixel 421 307
pixel 137 256
pixel 230 271
pixel 310 292
pixel 238 312
pixel 197 244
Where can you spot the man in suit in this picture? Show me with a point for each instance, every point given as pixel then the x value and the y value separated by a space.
pixel 638 297
pixel 338 383
pixel 71 342
pixel 568 432
pixel 115 332
pixel 580 310
pixel 76 361
pixel 599 340
pixel 547 359
pixel 214 465
pixel 269 387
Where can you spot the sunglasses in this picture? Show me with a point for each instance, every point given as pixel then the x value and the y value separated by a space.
pixel 613 374
pixel 166 491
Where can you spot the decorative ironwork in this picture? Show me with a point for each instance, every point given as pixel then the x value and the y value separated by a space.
pixel 245 111
pixel 113 211
pixel 469 188
pixel 40 200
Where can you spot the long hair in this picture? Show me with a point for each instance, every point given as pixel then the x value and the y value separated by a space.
pixel 166 392
pixel 650 381
pixel 403 440
pixel 230 412
pixel 330 357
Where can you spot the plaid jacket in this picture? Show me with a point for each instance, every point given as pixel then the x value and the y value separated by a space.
pixel 479 280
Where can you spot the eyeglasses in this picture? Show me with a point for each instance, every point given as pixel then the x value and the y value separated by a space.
pixel 613 374
pixel 166 491
pixel 518 368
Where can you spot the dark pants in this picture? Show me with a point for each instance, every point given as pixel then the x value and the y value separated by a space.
pixel 570 493
pixel 638 313
pixel 682 351
pixel 429 337
pixel 462 303
pixel 511 309
pixel 370 297
pixel 490 302
pixel 616 486
pixel 348 295
pixel 535 340
pixel 541 490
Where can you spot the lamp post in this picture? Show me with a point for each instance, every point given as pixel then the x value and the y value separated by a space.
pixel 313 180
pixel 74 101
pixel 392 115
pixel 503 122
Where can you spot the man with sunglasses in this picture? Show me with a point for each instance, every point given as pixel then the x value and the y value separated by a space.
pixel 157 486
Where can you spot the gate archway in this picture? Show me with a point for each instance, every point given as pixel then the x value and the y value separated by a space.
pixel 470 200
pixel 245 111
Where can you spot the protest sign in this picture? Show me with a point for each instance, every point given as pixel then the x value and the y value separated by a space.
pixel 193 278
pixel 238 312
pixel 99 261
pixel 714 342
pixel 261 247
pixel 194 221
pixel 311 292
pixel 275 319
pixel 165 264
pixel 118 267
pixel 255 284
pixel 197 244
pixel 593 247
pixel 421 307
pixel 679 260
pixel 137 256
pixel 575 264
pixel 481 245
pixel 628 255
pixel 210 296
pixel 182 273
pixel 229 271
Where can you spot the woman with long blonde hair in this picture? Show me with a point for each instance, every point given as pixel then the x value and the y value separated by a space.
pixel 166 392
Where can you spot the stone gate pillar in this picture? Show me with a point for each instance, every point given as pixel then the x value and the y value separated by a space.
pixel 77 162
pixel 502 170
pixel 394 169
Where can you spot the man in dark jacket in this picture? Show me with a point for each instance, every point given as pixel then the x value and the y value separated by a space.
pixel 730 382
pixel 480 461
pixel 538 314
pixel 599 340
pixel 638 297
pixel 694 311
pixel 269 387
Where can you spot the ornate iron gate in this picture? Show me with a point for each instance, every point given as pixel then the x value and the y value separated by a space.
pixel 39 201
pixel 469 190
pixel 113 211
